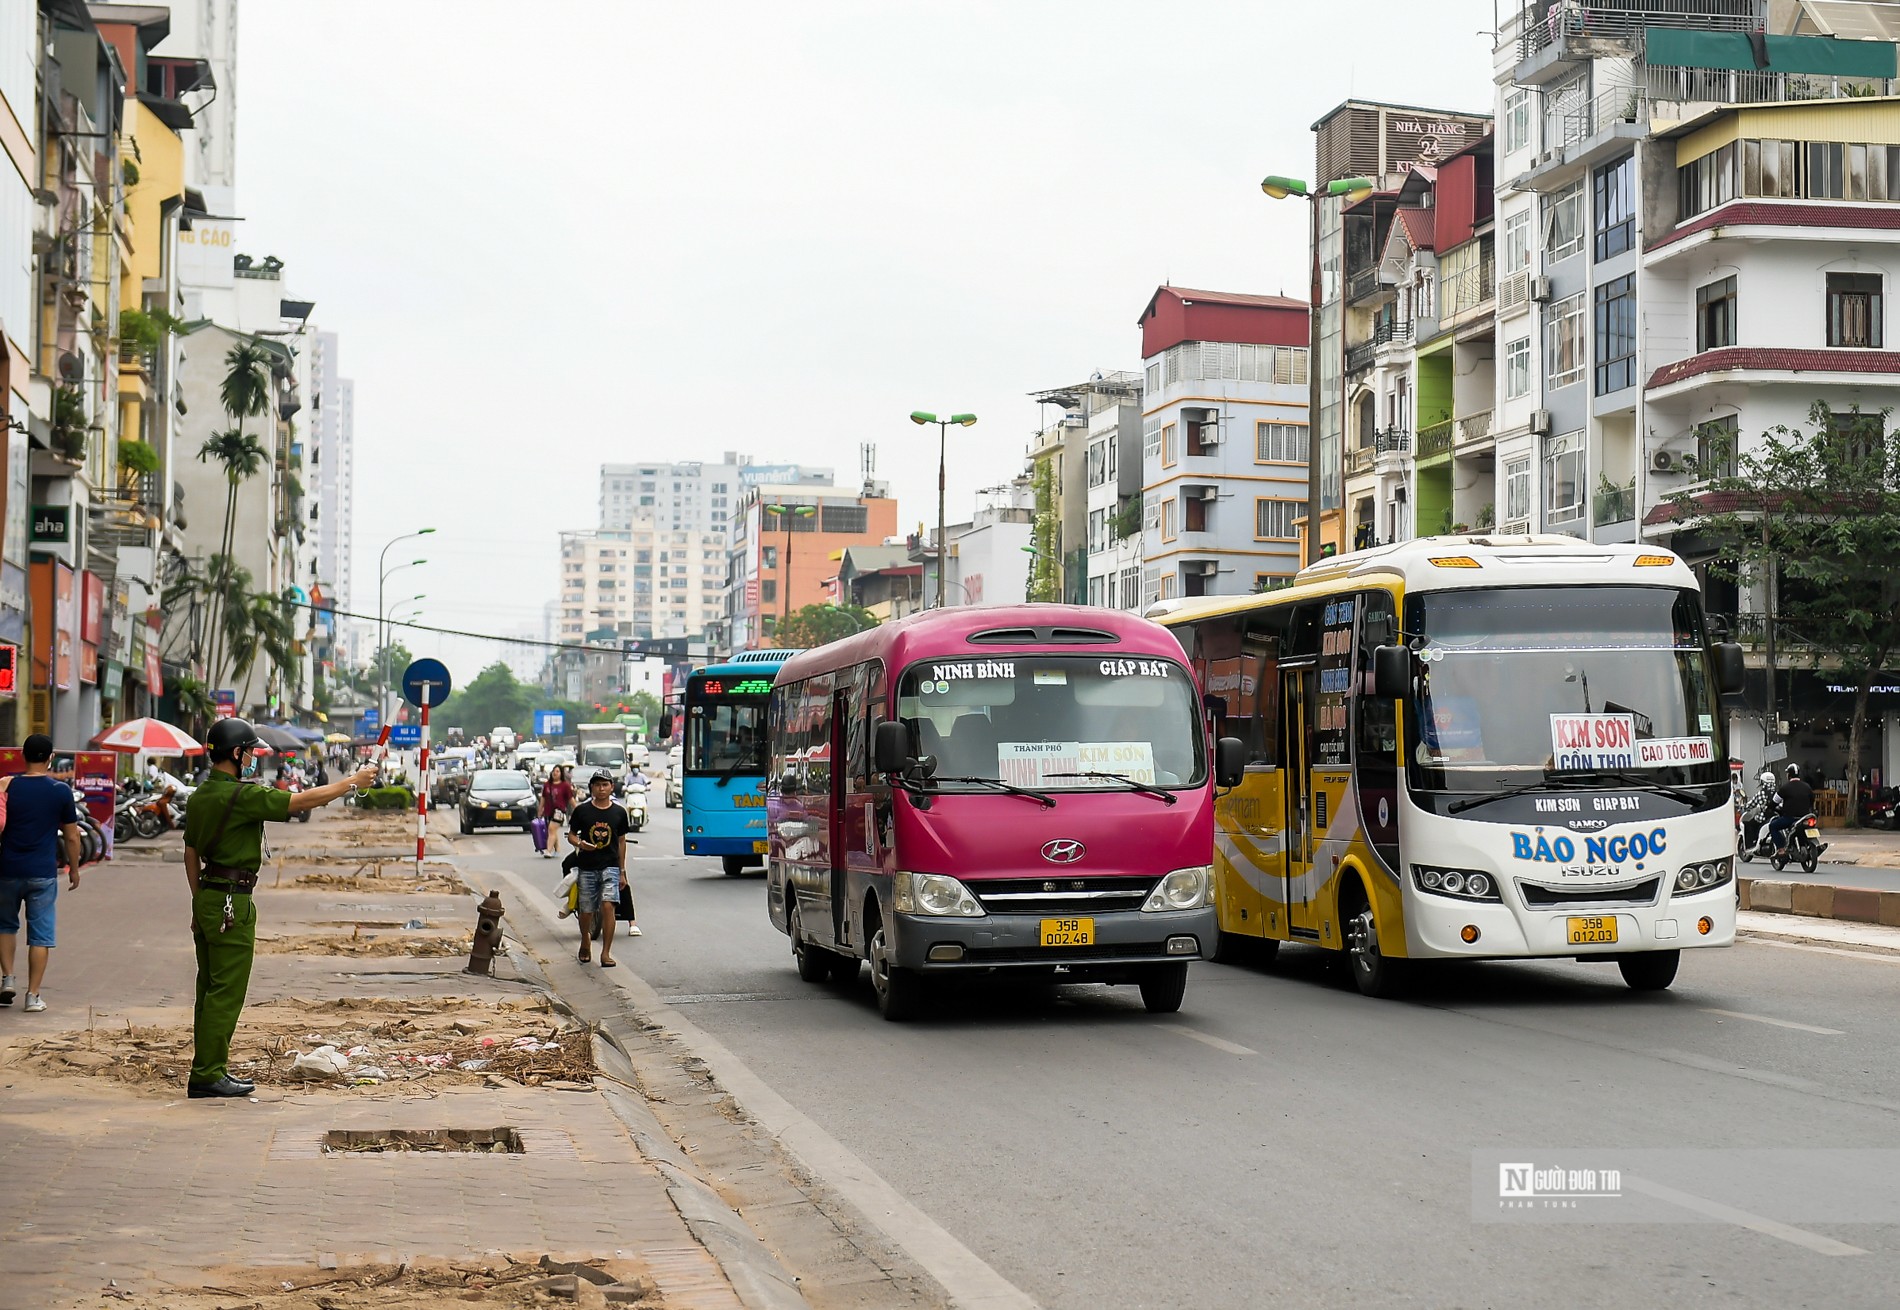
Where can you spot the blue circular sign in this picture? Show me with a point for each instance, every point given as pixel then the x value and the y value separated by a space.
pixel 425 682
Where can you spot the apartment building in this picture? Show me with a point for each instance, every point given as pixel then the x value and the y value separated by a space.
pixel 642 583
pixel 1224 442
pixel 787 540
pixel 691 495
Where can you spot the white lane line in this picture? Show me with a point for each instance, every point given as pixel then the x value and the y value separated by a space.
pixel 1218 1043
pixel 1728 1214
pixel 971 1283
pixel 1779 1023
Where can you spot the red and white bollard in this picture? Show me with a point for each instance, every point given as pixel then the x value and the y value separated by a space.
pixel 422 793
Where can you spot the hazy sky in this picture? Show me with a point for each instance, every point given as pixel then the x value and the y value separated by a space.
pixel 558 233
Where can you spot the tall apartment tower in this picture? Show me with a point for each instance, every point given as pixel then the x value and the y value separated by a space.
pixel 330 466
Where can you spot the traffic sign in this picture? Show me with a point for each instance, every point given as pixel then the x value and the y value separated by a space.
pixel 425 682
pixel 550 723
pixel 369 720
pixel 403 735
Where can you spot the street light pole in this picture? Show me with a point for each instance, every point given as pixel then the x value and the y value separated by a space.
pixel 382 643
pixel 784 513
pixel 921 417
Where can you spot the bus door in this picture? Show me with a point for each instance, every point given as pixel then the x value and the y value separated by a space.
pixel 844 840
pixel 1298 697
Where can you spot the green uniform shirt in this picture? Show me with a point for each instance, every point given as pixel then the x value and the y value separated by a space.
pixel 242 844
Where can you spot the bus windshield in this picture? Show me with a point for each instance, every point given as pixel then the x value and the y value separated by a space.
pixel 1526 682
pixel 726 735
pixel 1044 721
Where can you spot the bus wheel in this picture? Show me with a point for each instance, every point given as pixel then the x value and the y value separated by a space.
pixel 734 864
pixel 1163 986
pixel 1374 973
pixel 1652 971
pixel 814 965
pixel 899 991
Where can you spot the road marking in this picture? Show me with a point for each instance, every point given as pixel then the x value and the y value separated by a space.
pixel 1741 1218
pixel 1779 1023
pixel 705 997
pixel 971 1283
pixel 1218 1043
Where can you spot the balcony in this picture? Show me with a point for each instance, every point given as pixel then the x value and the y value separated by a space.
pixel 1359 459
pixel 1366 284
pixel 1473 430
pixel 1392 332
pixel 1359 357
pixel 1435 440
pixel 1549 49
pixel 1391 441
pixel 1613 513
pixel 1467 293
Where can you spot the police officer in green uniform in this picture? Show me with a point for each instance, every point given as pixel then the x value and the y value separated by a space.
pixel 224 844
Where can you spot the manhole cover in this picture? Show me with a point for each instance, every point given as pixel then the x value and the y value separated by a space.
pixel 429 1141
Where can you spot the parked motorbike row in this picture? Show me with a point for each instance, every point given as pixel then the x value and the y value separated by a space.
pixel 145 811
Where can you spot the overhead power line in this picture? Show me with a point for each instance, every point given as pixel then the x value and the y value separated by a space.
pixel 582 646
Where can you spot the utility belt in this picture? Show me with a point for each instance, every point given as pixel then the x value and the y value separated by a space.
pixel 223 878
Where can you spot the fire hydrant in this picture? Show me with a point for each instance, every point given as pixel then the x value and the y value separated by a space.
pixel 481 956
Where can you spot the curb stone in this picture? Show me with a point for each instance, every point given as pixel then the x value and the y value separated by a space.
pixel 756 1275
pixel 1821 901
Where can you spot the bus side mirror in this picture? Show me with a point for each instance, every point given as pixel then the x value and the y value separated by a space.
pixel 1230 761
pixel 890 748
pixel 1391 672
pixel 666 726
pixel 1730 672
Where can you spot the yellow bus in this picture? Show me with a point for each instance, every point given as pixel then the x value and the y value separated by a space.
pixel 1472 748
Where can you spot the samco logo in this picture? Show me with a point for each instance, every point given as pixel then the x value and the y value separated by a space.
pixel 1560 849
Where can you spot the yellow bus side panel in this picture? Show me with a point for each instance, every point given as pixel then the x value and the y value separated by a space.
pixel 1250 856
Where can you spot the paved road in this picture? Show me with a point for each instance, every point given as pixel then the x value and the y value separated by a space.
pixel 1878 877
pixel 1284 1141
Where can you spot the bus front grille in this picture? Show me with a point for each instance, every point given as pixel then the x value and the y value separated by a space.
pixel 1066 897
pixel 1538 897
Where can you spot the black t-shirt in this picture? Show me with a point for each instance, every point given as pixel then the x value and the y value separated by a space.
pixel 603 827
pixel 1797 798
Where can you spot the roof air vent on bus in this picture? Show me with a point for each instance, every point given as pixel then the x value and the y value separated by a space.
pixel 1054 636
pixel 1004 637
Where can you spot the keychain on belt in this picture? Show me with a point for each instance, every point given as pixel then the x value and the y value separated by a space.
pixel 230 915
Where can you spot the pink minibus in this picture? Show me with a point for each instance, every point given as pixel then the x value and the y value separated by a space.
pixel 1022 789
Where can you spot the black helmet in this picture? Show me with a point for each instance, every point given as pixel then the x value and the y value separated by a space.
pixel 1794 770
pixel 229 736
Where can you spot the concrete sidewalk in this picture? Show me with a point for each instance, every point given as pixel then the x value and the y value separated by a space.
pixel 128 1181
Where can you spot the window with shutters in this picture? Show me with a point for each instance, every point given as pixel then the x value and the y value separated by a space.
pixel 1715 314
pixel 1274 519
pixel 1279 443
pixel 1854 310
pixel 1170 448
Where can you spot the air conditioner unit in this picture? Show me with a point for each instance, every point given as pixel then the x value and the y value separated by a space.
pixel 1540 289
pixel 1667 461
pixel 1540 422
pixel 1205 568
pixel 1203 493
pixel 1210 433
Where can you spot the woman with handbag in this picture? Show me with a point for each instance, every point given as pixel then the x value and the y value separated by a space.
pixel 557 798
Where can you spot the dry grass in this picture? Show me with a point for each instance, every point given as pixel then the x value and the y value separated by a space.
pixel 496 1283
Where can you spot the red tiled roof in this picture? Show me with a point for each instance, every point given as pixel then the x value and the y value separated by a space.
pixel 1714 502
pixel 1777 359
pixel 1235 298
pixel 1739 213
pixel 1418 227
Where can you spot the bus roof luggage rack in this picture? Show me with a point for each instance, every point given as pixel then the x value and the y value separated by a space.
pixel 1058 635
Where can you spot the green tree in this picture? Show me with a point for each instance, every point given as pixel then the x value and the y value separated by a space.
pixel 815 625
pixel 1810 520
pixel 1045 580
pixel 492 698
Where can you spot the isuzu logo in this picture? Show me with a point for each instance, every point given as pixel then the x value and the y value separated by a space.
pixel 1063 850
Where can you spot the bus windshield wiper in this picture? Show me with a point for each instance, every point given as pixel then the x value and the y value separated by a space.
pixel 1469 802
pixel 1131 783
pixel 1047 800
pixel 726 775
pixel 1647 784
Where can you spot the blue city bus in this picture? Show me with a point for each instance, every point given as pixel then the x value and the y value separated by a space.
pixel 722 783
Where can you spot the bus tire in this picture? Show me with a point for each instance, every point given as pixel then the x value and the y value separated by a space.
pixel 1374 973
pixel 1651 971
pixel 814 965
pixel 900 992
pixel 734 865
pixel 1163 986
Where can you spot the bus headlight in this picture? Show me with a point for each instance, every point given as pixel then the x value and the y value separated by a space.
pixel 934 893
pixel 1459 884
pixel 1184 889
pixel 1693 878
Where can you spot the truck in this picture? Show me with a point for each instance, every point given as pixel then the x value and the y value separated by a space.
pixel 602 746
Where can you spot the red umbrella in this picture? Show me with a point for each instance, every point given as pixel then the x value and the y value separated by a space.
pixel 148 737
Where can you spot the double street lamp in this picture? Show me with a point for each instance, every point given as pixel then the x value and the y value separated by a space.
pixel 785 514
pixel 1347 191
pixel 382 577
pixel 920 418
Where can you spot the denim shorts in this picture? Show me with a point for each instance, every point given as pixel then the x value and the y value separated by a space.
pixel 598 886
pixel 38 895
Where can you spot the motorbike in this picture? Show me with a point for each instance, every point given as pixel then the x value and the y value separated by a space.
pixel 1879 807
pixel 294 784
pixel 1754 822
pixel 145 814
pixel 1804 845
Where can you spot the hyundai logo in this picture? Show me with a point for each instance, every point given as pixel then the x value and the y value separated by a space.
pixel 1063 850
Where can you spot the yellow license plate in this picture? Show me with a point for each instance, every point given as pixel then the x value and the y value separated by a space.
pixel 761 847
pixel 1068 932
pixel 1592 930
pixel 504 815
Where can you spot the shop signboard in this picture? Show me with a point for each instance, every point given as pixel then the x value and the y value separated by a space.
pixel 88 664
pixel 9 668
pixel 94 772
pixel 224 702
pixel 92 603
pixel 154 665
pixel 63 625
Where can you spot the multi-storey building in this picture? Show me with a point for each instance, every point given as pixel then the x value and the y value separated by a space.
pixel 1706 188
pixel 642 582
pixel 1379 144
pixel 786 540
pixel 1094 480
pixel 1224 442
pixel 691 496
pixel 329 461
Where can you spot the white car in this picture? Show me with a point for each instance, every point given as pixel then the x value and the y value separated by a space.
pixel 638 756
pixel 675 797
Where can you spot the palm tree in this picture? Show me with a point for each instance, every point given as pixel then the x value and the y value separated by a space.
pixel 194 698
pixel 241 456
pixel 245 391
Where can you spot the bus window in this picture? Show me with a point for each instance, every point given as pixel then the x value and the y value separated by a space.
pixel 1225 673
pixel 1378 732
pixel 1261 653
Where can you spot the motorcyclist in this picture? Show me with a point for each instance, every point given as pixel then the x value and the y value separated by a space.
pixel 1759 808
pixel 1796 801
